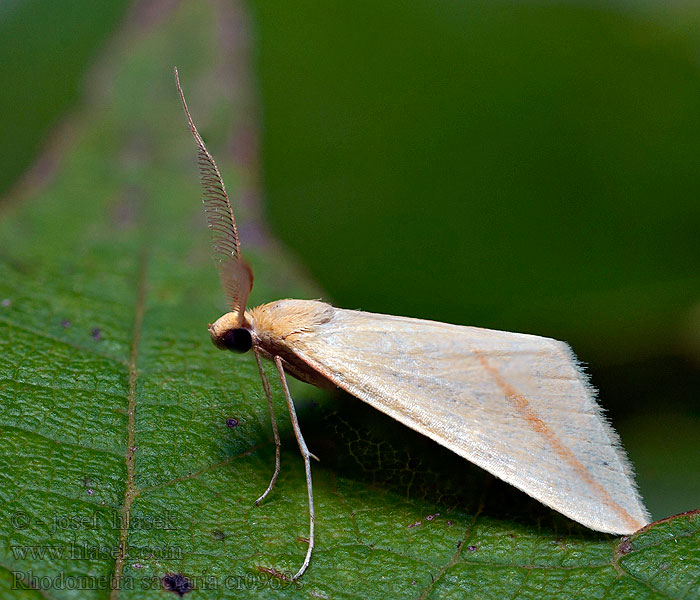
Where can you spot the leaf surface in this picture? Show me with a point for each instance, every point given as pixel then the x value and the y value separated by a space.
pixel 131 446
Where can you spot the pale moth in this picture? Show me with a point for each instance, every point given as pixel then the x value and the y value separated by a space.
pixel 517 405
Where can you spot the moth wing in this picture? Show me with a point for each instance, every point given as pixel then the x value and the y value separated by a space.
pixel 517 405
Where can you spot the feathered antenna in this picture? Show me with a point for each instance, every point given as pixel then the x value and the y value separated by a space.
pixel 235 274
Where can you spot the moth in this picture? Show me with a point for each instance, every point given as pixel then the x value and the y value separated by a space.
pixel 517 405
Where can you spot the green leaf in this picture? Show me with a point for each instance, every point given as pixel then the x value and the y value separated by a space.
pixel 119 453
pixel 43 49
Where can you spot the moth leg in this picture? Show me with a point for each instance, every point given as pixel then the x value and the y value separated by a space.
pixel 307 465
pixel 275 432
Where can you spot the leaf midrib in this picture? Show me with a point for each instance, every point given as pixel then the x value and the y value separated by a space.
pixel 130 491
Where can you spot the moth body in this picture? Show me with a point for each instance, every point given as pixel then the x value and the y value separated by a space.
pixel 517 405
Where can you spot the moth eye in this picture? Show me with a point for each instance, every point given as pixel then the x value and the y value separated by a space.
pixel 237 340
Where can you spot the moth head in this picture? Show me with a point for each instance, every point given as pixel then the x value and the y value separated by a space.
pixel 229 332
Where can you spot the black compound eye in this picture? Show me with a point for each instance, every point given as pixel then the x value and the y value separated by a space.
pixel 237 340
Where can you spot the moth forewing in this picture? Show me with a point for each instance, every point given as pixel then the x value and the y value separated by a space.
pixel 517 405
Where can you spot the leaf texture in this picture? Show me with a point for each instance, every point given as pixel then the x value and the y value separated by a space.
pixel 132 450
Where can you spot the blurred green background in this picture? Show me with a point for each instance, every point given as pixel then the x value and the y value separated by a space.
pixel 533 167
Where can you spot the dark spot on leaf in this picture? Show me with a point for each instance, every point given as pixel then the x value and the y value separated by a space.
pixel 87 483
pixel 231 422
pixel 512 535
pixel 218 534
pixel 414 524
pixel 176 582
pixel 96 334
pixel 471 548
pixel 459 544
pixel 6 303
pixel 65 323
pixel 449 523
pixel 624 547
